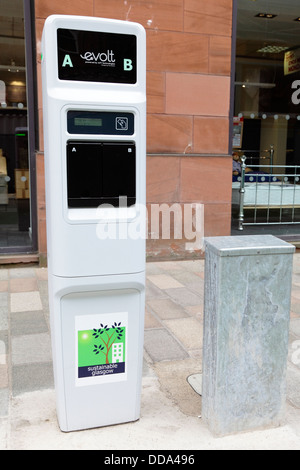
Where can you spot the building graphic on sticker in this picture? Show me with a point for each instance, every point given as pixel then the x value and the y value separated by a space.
pixel 117 353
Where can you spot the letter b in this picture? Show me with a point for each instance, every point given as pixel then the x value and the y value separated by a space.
pixel 128 64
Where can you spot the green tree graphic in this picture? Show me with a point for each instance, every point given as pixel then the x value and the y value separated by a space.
pixel 107 337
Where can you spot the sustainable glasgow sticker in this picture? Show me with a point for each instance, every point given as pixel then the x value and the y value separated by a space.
pixel 101 350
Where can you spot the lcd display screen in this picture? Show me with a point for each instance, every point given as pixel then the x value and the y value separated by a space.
pixel 87 122
pixel 100 122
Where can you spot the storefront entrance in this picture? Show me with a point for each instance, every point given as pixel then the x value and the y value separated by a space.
pixel 267 117
pixel 17 175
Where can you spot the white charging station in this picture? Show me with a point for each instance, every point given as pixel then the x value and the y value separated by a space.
pixel 94 111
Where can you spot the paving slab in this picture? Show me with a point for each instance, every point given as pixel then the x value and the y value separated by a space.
pixel 31 377
pixel 293 385
pixel 3 299
pixel 166 309
pixel 295 327
pixel 163 281
pixel 23 284
pixel 3 274
pixel 3 286
pixel 31 348
pixel 184 297
pixel 25 301
pixel 4 401
pixel 4 376
pixel 31 322
pixel 3 318
pixel 189 332
pixel 161 346
pixel 21 272
pixel 190 280
pixel 154 292
pixel 151 321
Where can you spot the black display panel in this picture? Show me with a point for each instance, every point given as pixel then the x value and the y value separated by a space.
pixel 98 122
pixel 118 169
pixel 101 173
pixel 94 56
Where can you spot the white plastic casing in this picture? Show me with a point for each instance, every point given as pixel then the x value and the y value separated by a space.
pixel 90 276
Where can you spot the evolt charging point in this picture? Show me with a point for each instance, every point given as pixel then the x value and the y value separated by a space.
pixel 94 109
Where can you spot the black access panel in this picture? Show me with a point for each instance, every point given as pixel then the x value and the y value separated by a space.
pixel 101 173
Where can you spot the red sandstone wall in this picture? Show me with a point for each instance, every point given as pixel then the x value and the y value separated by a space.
pixel 188 96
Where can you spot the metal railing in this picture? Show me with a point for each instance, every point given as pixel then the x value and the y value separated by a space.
pixel 272 192
pixel 267 154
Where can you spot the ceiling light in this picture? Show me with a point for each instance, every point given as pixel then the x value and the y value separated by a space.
pixel 269 16
pixel 256 84
pixel 273 49
pixel 17 83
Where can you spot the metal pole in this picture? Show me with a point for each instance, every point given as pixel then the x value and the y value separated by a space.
pixel 242 193
pixel 271 156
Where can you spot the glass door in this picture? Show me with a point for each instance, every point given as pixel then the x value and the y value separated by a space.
pixel 15 163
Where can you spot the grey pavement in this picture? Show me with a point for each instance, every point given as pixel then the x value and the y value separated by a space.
pixel 171 401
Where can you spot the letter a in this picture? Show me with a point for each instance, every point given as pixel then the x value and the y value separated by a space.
pixel 67 61
pixel 128 64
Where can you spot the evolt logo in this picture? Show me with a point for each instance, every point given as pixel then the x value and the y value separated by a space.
pixel 103 57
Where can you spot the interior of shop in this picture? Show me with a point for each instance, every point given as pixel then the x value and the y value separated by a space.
pixel 267 117
pixel 14 162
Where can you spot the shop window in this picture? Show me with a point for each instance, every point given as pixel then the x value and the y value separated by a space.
pixel 267 86
pixel 267 77
pixel 15 166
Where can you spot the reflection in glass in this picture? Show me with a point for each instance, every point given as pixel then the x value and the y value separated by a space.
pixel 267 91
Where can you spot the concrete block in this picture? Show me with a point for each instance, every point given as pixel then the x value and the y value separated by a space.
pixel 246 327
